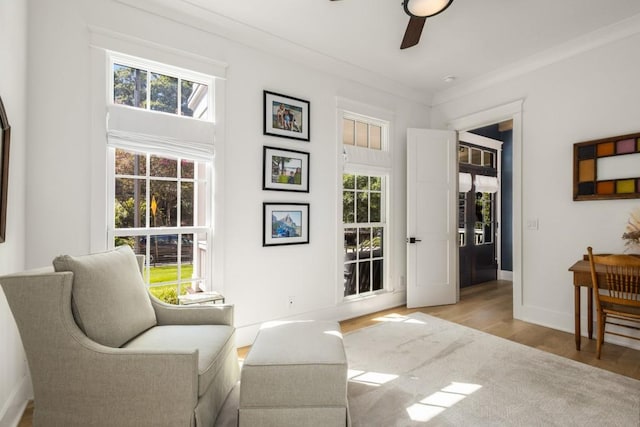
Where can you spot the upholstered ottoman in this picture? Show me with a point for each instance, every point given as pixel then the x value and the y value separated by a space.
pixel 295 375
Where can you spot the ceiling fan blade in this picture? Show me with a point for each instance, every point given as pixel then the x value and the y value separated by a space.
pixel 413 32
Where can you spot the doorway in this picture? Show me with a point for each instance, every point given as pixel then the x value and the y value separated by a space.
pixel 485 204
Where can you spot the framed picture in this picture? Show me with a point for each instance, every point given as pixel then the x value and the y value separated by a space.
pixel 285 170
pixel 285 224
pixel 5 133
pixel 286 116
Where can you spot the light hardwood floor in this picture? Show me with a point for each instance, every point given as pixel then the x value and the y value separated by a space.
pixel 489 307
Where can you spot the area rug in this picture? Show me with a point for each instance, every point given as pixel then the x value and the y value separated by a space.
pixel 419 370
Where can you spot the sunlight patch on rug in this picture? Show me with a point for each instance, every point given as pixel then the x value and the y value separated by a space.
pixel 440 401
pixel 369 378
pixel 394 317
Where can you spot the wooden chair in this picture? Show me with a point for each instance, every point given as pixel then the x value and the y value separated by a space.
pixel 617 293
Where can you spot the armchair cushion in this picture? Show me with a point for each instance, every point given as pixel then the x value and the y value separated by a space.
pixel 213 343
pixel 111 300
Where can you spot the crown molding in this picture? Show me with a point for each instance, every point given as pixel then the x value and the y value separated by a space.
pixel 189 13
pixel 620 30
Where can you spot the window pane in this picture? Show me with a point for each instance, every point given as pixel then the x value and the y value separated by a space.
pixel 130 206
pixel 197 101
pixel 377 242
pixel 463 154
pixel 376 183
pixel 200 256
pixel 186 169
pixel 375 137
pixel 364 243
pixel 163 251
pixel 348 181
pixel 362 209
pixel 488 158
pixel 187 198
pixel 164 198
pixel 164 93
pixel 350 279
pixel 129 86
pixel 350 244
pixel 476 157
pixel 363 183
pixel 128 163
pixel 348 132
pixel 377 275
pixel 364 272
pixel 462 222
pixel 164 167
pixel 376 208
pixel 348 206
pixel 166 293
pixel 361 134
pixel 186 90
pixel 186 255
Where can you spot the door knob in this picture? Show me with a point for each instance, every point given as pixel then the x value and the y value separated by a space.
pixel 413 240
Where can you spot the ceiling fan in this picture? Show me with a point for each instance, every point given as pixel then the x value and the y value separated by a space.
pixel 419 11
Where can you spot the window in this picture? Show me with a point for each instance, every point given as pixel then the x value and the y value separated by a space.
pixel 361 134
pixel 143 85
pixel 363 209
pixel 364 203
pixel 160 189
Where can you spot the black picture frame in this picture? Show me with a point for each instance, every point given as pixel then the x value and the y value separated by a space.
pixel 285 170
pixel 285 224
pixel 5 139
pixel 286 116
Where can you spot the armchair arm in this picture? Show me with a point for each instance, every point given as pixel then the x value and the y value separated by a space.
pixel 77 381
pixel 169 314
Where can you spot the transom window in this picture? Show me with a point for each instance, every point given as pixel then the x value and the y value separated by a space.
pixel 145 85
pixel 360 132
pixel 476 156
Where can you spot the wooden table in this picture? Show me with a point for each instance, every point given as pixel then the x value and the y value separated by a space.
pixel 582 278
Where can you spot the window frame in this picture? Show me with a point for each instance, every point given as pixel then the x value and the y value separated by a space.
pixel 369 162
pixel 213 107
pixel 148 230
pixel 165 69
pixel 383 224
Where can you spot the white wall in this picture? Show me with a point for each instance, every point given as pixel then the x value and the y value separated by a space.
pixel 584 97
pixel 14 382
pixel 257 280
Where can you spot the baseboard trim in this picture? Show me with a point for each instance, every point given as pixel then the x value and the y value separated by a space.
pixel 245 334
pixel 505 275
pixel 13 409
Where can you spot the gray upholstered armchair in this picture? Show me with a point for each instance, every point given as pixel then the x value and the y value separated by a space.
pixel 103 352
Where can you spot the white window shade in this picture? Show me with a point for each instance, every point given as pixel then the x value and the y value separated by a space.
pixel 486 184
pixel 175 136
pixel 464 182
pixel 366 156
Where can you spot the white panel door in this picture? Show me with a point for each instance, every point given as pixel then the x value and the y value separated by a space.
pixel 432 194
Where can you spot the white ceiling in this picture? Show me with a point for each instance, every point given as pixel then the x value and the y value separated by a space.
pixel 470 40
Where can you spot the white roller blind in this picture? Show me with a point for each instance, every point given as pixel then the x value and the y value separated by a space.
pixel 486 184
pixel 141 130
pixel 464 182
pixel 367 156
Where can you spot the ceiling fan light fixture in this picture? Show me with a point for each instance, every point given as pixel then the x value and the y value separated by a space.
pixel 425 8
